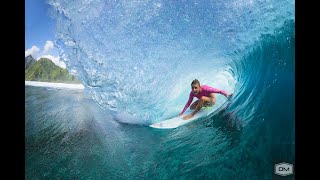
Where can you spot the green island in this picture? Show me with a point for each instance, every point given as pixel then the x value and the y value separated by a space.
pixel 45 70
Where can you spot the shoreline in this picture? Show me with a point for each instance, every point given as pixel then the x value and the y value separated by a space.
pixel 53 85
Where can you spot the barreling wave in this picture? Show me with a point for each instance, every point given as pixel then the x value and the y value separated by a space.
pixel 137 58
pixel 265 76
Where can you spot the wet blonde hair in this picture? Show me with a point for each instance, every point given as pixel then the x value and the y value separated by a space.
pixel 195 82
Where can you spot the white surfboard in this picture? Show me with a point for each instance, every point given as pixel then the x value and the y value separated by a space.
pixel 179 121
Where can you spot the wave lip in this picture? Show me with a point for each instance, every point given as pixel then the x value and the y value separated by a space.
pixel 54 85
pixel 139 58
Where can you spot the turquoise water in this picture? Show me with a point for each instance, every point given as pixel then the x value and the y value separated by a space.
pixel 136 60
pixel 69 136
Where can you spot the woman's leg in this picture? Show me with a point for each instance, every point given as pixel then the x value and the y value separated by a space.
pixel 204 101
pixel 212 101
pixel 208 100
pixel 194 105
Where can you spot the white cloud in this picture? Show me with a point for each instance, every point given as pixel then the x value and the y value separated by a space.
pixel 55 60
pixel 32 51
pixel 44 54
pixel 47 46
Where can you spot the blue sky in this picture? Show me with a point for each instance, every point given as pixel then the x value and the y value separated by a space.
pixel 39 31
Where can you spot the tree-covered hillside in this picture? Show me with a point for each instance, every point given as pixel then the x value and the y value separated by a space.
pixel 46 71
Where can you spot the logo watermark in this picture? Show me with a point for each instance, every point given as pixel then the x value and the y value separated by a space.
pixel 283 169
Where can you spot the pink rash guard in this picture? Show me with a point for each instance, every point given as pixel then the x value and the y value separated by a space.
pixel 205 91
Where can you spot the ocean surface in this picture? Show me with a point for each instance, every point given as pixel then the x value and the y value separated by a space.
pixel 136 60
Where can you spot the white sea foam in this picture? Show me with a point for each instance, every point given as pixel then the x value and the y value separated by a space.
pixel 54 85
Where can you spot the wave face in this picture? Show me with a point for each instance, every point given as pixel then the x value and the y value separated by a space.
pixel 138 58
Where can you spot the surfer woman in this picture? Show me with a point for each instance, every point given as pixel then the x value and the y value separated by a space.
pixel 205 95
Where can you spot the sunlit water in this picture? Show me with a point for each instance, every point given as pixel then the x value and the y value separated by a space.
pixel 136 60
